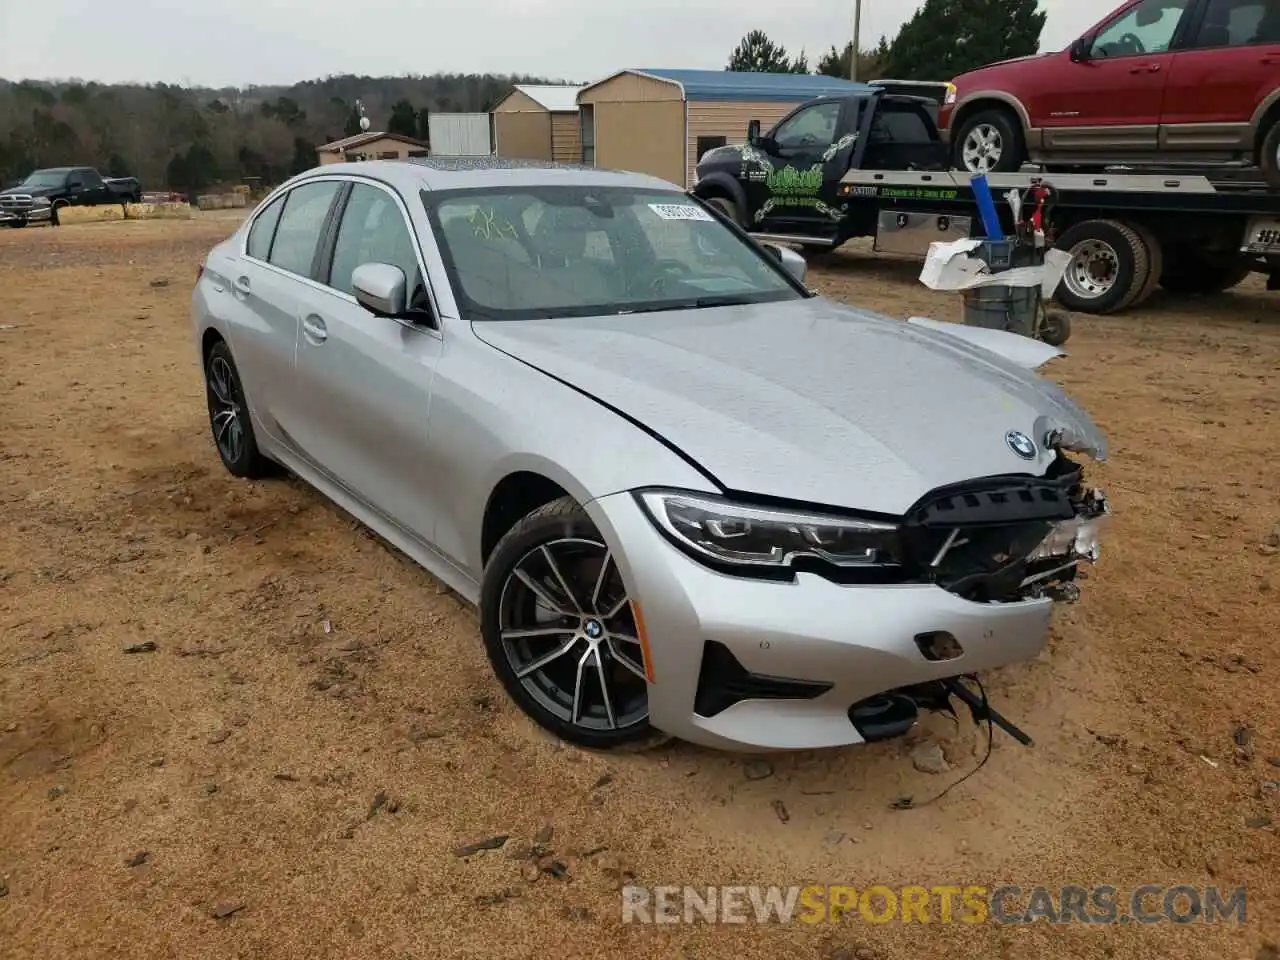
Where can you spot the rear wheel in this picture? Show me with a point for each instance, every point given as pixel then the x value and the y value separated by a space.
pixel 1194 272
pixel 229 417
pixel 1155 257
pixel 1110 265
pixel 560 632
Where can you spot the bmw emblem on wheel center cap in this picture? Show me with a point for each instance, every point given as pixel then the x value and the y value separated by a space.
pixel 1021 444
pixel 593 629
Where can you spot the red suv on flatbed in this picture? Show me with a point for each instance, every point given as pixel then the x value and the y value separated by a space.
pixel 1182 81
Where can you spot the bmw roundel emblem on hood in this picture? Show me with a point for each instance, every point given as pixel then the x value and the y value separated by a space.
pixel 1021 444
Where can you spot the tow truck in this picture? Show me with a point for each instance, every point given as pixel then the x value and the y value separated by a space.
pixel 871 164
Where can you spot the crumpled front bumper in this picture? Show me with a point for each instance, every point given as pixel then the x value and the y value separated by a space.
pixel 805 652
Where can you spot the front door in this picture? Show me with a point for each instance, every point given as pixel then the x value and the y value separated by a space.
pixel 801 163
pixel 1109 102
pixel 1219 78
pixel 362 382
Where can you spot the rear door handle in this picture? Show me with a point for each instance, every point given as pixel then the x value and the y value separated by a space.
pixel 1149 68
pixel 240 286
pixel 314 330
pixel 1271 61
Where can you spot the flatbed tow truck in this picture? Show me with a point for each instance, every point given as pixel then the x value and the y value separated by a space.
pixel 872 165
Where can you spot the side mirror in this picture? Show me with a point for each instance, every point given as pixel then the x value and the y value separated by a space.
pixel 791 261
pixel 380 288
pixel 1079 50
pixel 753 132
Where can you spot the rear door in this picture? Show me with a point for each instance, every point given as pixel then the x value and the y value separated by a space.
pixel 808 152
pixel 1228 67
pixel 1109 103
pixel 362 382
pixel 267 282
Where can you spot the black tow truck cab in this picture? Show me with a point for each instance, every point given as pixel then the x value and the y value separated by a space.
pixel 871 164
pixel 786 181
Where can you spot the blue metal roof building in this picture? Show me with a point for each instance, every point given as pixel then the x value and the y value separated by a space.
pixel 660 121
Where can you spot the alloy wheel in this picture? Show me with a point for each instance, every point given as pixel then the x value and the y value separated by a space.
pixel 570 638
pixel 982 149
pixel 225 409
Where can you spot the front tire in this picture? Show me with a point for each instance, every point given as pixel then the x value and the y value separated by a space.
pixel 728 208
pixel 1270 157
pixel 229 418
pixel 990 142
pixel 560 633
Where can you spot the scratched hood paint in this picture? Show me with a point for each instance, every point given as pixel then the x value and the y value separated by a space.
pixel 809 400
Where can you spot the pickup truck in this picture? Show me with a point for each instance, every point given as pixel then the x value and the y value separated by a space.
pixel 44 192
pixel 872 164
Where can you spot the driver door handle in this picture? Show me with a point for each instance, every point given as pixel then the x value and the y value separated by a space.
pixel 241 287
pixel 314 330
pixel 1149 68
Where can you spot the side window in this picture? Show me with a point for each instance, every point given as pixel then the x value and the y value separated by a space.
pixel 373 230
pixel 812 127
pixel 1238 23
pixel 263 229
pixel 1146 28
pixel 300 224
pixel 75 179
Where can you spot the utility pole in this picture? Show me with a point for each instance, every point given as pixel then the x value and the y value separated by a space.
pixel 857 29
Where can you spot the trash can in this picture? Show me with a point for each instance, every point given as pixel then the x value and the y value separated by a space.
pixel 1003 308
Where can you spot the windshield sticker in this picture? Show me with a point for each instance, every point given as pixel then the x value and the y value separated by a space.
pixel 679 211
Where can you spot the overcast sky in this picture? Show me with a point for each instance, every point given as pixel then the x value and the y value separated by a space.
pixel 238 42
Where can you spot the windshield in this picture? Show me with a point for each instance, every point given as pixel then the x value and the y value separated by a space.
pixel 538 252
pixel 46 178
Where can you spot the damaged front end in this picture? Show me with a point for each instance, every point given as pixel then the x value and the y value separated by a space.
pixel 997 540
pixel 1006 539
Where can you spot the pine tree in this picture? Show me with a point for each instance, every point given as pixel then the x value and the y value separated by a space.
pixel 835 63
pixel 404 119
pixel 758 54
pixel 948 37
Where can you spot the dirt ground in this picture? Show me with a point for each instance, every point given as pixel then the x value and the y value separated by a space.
pixel 317 730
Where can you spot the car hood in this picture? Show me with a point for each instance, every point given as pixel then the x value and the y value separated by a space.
pixel 810 400
pixel 27 191
pixel 998 66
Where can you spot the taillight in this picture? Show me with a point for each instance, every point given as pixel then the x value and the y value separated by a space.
pixel 199 272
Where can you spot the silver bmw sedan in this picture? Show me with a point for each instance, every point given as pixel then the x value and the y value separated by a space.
pixel 689 497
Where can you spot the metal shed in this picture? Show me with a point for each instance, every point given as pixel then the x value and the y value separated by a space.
pixel 660 121
pixel 538 122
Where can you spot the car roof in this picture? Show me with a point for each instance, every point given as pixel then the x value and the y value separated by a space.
pixel 470 173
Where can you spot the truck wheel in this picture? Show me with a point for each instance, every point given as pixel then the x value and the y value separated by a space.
pixel 990 142
pixel 727 207
pixel 1109 267
pixel 1193 272
pixel 1270 157
pixel 1155 255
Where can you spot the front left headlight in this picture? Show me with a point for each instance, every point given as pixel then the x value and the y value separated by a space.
pixel 724 532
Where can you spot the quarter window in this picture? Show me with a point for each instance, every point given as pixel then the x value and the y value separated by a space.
pixel 300 226
pixel 1239 23
pixel 373 230
pixel 263 229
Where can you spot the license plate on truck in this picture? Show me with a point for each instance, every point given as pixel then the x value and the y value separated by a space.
pixel 1262 236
